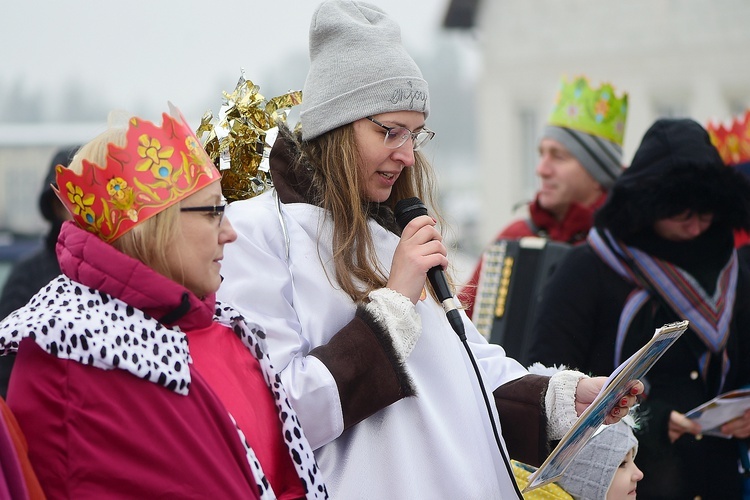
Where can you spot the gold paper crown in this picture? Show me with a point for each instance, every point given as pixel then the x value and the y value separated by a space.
pixel 240 141
pixel 733 142
pixel 157 167
pixel 593 111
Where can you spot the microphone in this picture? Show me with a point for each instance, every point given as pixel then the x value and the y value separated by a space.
pixel 406 210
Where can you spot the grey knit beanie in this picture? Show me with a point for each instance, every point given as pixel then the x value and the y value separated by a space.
pixel 358 68
pixel 600 157
pixel 591 472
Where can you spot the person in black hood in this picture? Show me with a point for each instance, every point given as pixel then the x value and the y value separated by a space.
pixel 37 269
pixel 662 250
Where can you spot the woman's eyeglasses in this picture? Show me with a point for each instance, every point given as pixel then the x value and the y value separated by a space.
pixel 395 137
pixel 216 211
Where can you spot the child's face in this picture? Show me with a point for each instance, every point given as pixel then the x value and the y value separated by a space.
pixel 626 478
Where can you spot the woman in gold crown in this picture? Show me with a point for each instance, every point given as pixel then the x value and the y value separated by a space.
pixel 130 379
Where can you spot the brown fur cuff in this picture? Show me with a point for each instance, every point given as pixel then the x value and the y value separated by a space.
pixel 364 364
pixel 521 410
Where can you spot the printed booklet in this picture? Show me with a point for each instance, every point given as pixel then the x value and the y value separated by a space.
pixel 615 388
pixel 720 410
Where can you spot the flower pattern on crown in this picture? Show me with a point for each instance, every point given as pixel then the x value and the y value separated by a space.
pixel 733 141
pixel 597 112
pixel 158 167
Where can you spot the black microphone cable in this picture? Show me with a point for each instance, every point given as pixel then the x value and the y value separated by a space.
pixel 406 210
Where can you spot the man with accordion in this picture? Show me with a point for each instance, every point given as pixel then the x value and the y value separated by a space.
pixel 580 154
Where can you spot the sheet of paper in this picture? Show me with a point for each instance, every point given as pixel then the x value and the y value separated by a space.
pixel 720 410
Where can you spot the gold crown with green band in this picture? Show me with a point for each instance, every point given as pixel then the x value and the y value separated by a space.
pixel 593 111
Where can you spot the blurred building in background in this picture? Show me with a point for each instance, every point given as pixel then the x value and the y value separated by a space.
pixel 686 58
pixel 26 150
pixel 493 71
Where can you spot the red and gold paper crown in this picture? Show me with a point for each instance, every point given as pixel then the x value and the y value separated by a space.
pixel 593 111
pixel 157 167
pixel 733 142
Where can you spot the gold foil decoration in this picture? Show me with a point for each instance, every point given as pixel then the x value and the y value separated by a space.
pixel 240 139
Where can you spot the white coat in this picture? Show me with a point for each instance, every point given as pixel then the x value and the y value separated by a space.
pixel 437 444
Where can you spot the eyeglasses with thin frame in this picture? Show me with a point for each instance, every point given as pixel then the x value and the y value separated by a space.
pixel 216 211
pixel 395 137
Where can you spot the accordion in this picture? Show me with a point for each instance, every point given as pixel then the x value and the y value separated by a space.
pixel 514 274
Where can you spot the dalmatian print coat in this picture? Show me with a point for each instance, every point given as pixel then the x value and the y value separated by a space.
pixel 74 322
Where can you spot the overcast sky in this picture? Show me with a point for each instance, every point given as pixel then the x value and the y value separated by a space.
pixel 137 54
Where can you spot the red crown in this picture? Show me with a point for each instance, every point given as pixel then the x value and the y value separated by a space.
pixel 733 142
pixel 157 168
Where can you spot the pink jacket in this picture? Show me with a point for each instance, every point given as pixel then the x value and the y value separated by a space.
pixel 107 396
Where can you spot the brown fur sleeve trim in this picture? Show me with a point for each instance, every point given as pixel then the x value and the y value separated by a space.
pixel 363 361
pixel 520 405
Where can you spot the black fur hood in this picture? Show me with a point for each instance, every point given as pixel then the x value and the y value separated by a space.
pixel 676 168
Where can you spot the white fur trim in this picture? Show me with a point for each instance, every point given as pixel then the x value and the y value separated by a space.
pixel 398 316
pixel 539 369
pixel 559 402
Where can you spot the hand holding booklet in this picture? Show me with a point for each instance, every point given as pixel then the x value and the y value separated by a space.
pixel 720 410
pixel 617 385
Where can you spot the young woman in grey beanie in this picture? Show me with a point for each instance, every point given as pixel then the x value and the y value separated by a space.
pixel 381 383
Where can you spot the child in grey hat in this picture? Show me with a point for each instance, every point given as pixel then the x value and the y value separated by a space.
pixel 604 468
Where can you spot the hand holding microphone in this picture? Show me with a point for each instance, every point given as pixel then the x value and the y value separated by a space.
pixel 424 247
pixel 420 249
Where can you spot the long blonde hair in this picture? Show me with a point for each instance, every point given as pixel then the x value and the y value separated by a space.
pixel 338 181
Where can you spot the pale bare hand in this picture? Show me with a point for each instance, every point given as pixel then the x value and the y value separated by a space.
pixel 679 424
pixel 420 249
pixel 588 389
pixel 739 427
